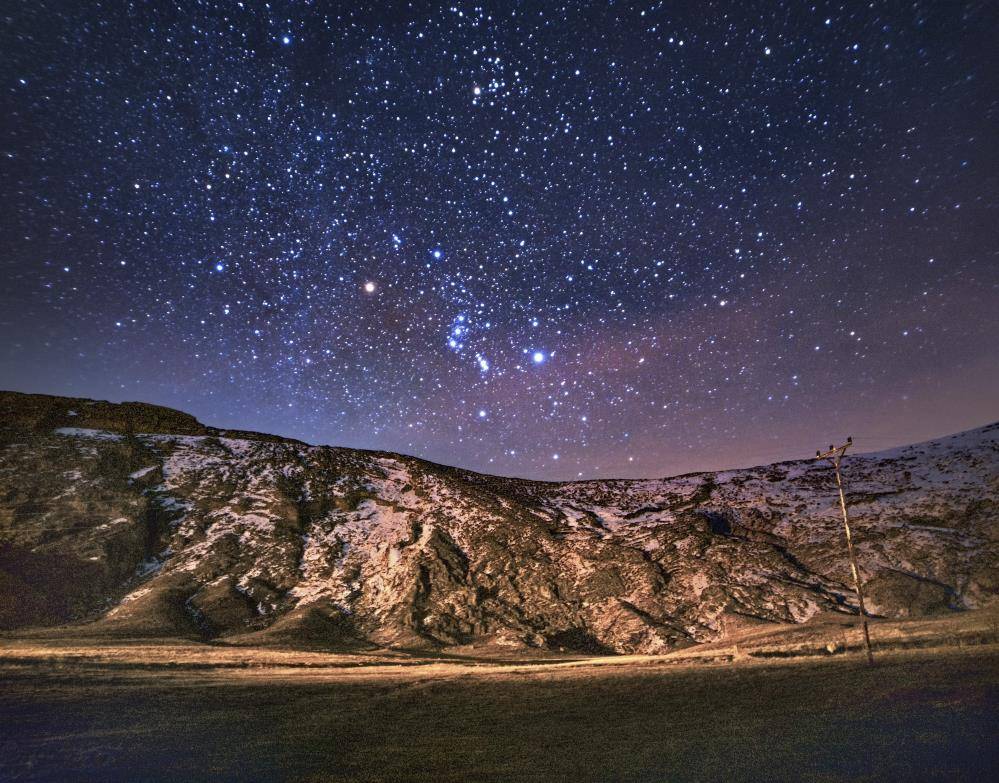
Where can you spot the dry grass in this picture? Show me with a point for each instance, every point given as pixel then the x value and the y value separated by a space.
pixel 176 711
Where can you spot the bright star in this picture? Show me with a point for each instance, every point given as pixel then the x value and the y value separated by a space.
pixel 369 287
pixel 538 357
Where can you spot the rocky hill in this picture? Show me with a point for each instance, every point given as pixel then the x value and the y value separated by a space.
pixel 133 520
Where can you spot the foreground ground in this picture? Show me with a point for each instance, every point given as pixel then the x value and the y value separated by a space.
pixel 175 712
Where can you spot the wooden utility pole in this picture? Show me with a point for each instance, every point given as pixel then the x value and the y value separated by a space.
pixel 835 455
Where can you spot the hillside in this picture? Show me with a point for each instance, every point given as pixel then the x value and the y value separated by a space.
pixel 133 520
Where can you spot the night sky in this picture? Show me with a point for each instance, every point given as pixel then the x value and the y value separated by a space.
pixel 537 239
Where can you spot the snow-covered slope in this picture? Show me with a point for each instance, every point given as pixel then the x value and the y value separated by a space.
pixel 258 540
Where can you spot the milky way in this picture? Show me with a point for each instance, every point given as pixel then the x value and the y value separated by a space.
pixel 526 238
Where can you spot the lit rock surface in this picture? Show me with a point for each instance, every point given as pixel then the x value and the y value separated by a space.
pixel 143 522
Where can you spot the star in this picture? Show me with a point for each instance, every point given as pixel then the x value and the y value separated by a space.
pixel 628 230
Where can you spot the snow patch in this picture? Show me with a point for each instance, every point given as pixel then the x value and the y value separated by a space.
pixel 83 432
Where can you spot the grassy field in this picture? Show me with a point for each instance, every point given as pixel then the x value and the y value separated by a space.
pixel 156 712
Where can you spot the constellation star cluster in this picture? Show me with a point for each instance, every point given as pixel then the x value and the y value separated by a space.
pixel 551 240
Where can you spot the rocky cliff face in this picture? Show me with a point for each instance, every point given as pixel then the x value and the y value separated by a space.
pixel 141 521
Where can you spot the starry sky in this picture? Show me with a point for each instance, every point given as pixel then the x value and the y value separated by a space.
pixel 537 239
